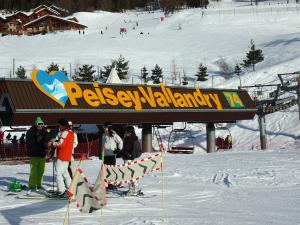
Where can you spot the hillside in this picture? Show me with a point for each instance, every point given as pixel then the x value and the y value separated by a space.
pixel 223 31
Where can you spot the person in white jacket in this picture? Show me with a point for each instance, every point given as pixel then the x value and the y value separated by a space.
pixel 71 163
pixel 112 142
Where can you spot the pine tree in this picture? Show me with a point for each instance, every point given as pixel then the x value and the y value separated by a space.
pixel 21 72
pixel 84 73
pixel 105 73
pixel 201 73
pixel 53 67
pixel 237 69
pixel 144 74
pixel 122 67
pixel 184 79
pixel 253 57
pixel 156 74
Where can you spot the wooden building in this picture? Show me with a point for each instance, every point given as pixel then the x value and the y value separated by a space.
pixel 51 23
pixel 43 19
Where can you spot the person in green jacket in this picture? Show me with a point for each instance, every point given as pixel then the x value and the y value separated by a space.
pixel 37 145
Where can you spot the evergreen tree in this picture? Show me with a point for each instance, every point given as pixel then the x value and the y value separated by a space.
pixel 122 67
pixel 144 74
pixel 156 74
pixel 253 57
pixel 53 67
pixel 184 79
pixel 201 73
pixel 84 73
pixel 237 69
pixel 105 73
pixel 21 72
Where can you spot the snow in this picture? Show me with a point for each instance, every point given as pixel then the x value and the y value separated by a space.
pixel 239 187
pixel 243 186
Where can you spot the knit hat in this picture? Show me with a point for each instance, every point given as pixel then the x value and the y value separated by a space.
pixel 63 122
pixel 38 121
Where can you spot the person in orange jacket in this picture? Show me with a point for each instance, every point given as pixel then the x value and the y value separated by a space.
pixel 63 143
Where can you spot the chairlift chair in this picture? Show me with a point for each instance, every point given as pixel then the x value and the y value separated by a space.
pixel 174 135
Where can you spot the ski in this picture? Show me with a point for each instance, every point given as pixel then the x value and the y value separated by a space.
pixel 124 194
pixel 39 197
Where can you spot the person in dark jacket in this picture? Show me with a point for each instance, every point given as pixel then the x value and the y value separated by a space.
pixel 37 145
pixel 128 155
pixel 129 139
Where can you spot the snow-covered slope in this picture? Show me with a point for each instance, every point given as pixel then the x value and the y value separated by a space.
pixel 223 31
pixel 233 188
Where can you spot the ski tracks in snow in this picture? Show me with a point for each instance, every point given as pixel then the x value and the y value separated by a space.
pixel 222 178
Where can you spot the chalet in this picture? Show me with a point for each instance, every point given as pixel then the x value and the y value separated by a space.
pixel 51 23
pixel 43 19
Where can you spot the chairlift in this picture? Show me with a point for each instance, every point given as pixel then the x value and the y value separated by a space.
pixel 175 135
pixel 222 143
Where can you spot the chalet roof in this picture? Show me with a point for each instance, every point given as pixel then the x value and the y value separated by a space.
pixel 39 7
pixel 58 8
pixel 54 17
pixel 21 101
pixel 17 13
pixel 73 19
pixel 49 10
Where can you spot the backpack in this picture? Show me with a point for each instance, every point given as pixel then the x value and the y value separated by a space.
pixel 137 149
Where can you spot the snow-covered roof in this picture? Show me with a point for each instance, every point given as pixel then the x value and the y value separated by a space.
pixel 40 6
pixel 49 9
pixel 55 17
pixel 19 12
pixel 58 8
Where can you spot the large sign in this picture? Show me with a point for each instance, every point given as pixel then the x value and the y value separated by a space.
pixel 68 94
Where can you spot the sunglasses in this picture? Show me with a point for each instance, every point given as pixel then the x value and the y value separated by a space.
pixel 40 124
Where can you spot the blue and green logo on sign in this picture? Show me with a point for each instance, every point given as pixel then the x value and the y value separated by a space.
pixel 233 99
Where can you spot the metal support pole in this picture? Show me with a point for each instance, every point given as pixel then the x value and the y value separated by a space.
pixel 210 138
pixel 147 137
pixel 262 129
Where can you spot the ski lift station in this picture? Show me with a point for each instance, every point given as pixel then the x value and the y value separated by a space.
pixel 53 96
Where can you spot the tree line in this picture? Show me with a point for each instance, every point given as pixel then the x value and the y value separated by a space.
pixel 106 5
pixel 87 72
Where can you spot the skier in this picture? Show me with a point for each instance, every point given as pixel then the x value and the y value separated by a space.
pixel 112 144
pixel 36 144
pixel 130 151
pixel 74 146
pixel 63 143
